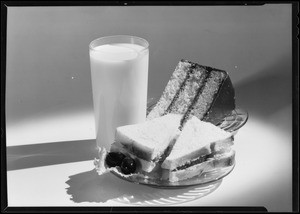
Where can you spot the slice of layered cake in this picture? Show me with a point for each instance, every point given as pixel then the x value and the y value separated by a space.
pixel 198 90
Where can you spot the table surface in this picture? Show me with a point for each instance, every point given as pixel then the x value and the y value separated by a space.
pixel 62 174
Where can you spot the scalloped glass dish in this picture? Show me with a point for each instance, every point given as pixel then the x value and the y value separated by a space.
pixel 232 123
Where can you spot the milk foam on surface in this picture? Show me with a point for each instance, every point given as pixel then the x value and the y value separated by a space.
pixel 116 52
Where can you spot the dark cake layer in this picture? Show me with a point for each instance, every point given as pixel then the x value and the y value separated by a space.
pixel 223 104
pixel 196 78
pixel 193 89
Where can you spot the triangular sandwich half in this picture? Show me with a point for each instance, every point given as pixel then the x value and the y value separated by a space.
pixel 148 142
pixel 200 146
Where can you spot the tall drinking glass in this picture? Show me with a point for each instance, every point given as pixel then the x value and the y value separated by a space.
pixel 119 72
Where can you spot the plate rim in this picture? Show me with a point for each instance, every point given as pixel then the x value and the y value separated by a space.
pixel 178 185
pixel 238 111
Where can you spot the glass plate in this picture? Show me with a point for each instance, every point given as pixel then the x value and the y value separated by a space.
pixel 202 179
pixel 232 123
pixel 142 195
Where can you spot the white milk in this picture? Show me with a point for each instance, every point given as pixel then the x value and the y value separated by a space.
pixel 120 81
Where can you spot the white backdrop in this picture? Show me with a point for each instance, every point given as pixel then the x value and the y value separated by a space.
pixel 48 73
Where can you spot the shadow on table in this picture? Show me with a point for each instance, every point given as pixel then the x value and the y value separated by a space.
pixel 35 155
pixel 90 187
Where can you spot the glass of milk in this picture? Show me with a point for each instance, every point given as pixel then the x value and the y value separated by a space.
pixel 119 72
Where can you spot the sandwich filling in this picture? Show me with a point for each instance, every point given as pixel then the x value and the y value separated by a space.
pixel 199 160
pixel 197 168
pixel 142 164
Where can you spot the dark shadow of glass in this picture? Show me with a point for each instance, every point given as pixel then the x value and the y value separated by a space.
pixel 45 154
pixel 36 155
pixel 90 187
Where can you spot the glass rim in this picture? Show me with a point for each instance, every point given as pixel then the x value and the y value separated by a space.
pixel 116 36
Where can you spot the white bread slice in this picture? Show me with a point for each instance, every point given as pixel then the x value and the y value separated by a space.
pixel 215 162
pixel 197 138
pixel 150 140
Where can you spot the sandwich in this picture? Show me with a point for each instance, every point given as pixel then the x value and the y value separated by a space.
pixel 157 147
pixel 200 147
pixel 147 143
